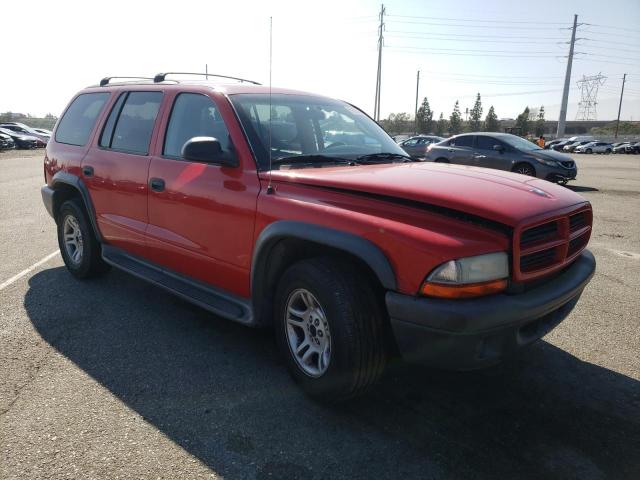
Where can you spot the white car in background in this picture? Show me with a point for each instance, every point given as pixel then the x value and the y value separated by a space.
pixel 594 147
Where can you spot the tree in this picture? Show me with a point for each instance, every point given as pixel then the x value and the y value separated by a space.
pixel 441 125
pixel 425 117
pixel 522 122
pixel 540 122
pixel 475 120
pixel 455 120
pixel 491 123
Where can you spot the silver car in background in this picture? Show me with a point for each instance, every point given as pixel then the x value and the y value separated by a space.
pixel 595 147
pixel 416 147
pixel 504 151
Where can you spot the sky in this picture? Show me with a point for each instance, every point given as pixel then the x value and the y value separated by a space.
pixel 512 52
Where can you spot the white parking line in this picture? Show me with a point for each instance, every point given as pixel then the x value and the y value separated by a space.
pixel 26 271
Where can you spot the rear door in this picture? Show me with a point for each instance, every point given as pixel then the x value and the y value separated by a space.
pixel 115 169
pixel 201 216
pixel 461 150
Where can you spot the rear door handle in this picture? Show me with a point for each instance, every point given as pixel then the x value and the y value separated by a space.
pixel 156 184
pixel 87 171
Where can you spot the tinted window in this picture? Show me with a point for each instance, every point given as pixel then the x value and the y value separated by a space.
pixel 76 125
pixel 486 143
pixel 464 141
pixel 134 126
pixel 194 115
pixel 107 132
pixel 411 143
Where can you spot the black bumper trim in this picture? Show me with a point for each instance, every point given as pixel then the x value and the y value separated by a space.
pixel 466 334
pixel 47 198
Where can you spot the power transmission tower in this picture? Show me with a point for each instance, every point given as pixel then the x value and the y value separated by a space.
pixel 562 119
pixel 376 108
pixel 624 77
pixel 589 96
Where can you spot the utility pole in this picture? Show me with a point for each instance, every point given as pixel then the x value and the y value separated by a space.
pixel 376 108
pixel 415 127
pixel 567 80
pixel 624 77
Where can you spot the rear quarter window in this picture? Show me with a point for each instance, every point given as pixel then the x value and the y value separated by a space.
pixel 78 121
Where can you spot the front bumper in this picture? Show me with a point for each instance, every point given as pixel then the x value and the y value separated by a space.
pixel 476 333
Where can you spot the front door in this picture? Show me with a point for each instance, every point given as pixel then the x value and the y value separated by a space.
pixel 487 156
pixel 201 216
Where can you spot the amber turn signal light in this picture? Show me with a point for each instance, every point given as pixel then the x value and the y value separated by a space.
pixel 443 290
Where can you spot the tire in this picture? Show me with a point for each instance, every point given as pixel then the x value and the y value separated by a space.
pixel 441 160
pixel 78 244
pixel 588 150
pixel 524 169
pixel 608 151
pixel 346 316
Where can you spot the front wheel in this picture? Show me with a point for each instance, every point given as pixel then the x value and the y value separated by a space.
pixel 329 327
pixel 608 151
pixel 588 150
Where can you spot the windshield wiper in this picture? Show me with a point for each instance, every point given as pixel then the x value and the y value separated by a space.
pixel 378 157
pixel 312 159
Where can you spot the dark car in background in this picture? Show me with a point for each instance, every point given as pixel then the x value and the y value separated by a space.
pixel 632 148
pixel 552 143
pixel 22 129
pixel 6 142
pixel 21 141
pixel 417 146
pixel 620 147
pixel 503 151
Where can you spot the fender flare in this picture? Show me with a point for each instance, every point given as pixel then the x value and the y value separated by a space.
pixel 66 178
pixel 360 247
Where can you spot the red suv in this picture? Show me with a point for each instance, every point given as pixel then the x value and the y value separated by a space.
pixel 291 210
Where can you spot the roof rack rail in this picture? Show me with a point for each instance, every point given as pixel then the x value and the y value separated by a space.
pixel 106 80
pixel 162 76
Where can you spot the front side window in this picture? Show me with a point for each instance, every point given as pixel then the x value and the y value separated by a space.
pixel 194 115
pixel 411 143
pixel 308 126
pixel 486 143
pixel 78 121
pixel 133 120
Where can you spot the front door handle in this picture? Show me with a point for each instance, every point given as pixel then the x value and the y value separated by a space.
pixel 479 156
pixel 87 171
pixel 156 184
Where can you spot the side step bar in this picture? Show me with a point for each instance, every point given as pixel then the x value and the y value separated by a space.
pixel 214 300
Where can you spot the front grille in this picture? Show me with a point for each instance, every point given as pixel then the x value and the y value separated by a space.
pixel 549 246
pixel 537 260
pixel 567 164
pixel 540 233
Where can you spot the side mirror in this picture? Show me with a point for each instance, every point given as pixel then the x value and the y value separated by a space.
pixel 498 148
pixel 207 150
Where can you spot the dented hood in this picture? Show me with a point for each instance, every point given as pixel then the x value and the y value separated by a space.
pixel 503 197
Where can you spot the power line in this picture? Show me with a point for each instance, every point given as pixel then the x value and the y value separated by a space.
pixel 473 26
pixel 474 35
pixel 473 54
pixel 415 37
pixel 635 30
pixel 477 20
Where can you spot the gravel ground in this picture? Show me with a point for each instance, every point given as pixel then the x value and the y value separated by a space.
pixel 113 378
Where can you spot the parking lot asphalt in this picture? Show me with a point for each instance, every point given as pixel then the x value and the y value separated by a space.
pixel 114 378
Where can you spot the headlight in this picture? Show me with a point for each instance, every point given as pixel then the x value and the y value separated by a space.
pixel 549 163
pixel 468 277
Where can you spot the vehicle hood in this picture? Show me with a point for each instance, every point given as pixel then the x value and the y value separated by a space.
pixel 550 155
pixel 504 197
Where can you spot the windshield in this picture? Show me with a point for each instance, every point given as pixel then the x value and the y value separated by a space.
pixel 520 143
pixel 306 126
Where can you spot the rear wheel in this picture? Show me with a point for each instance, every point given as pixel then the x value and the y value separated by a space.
pixel 441 160
pixel 78 244
pixel 608 151
pixel 524 169
pixel 588 150
pixel 329 327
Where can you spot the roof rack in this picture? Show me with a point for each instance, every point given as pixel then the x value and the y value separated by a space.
pixel 162 76
pixel 106 80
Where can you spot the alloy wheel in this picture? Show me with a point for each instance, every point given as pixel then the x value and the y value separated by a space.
pixel 308 333
pixel 73 243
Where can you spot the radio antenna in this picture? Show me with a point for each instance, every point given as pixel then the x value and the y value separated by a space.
pixel 270 186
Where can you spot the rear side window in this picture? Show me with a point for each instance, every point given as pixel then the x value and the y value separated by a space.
pixel 465 141
pixel 194 115
pixel 78 121
pixel 131 121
